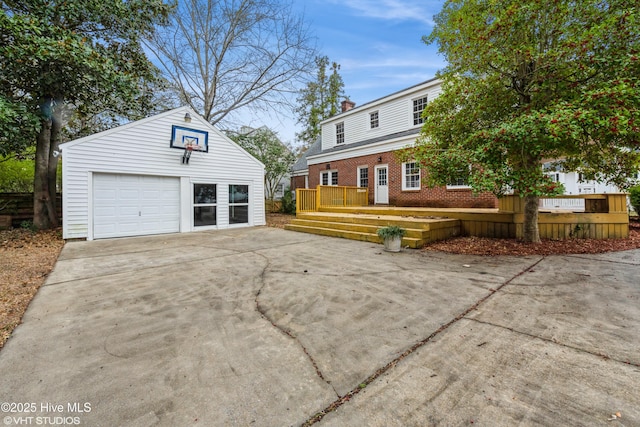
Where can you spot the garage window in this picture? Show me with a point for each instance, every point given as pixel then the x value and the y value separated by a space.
pixel 238 204
pixel 204 204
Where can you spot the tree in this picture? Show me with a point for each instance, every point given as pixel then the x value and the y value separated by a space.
pixel 223 55
pixel 58 57
pixel 264 145
pixel 319 100
pixel 528 81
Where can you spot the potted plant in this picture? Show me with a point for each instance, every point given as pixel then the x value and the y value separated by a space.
pixel 391 235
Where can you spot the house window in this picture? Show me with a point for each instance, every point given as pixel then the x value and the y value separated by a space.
pixel 418 107
pixel 410 176
pixel 460 181
pixel 555 177
pixel 339 133
pixel 329 178
pixel 373 120
pixel 238 204
pixel 363 176
pixel 204 204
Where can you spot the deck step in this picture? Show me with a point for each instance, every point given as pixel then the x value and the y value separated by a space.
pixel 411 242
pixel 419 231
pixel 355 227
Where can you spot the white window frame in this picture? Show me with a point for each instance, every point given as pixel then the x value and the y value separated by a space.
pixel 459 187
pixel 373 120
pixel 330 177
pixel 195 205
pixel 340 133
pixel 234 204
pixel 359 178
pixel 405 187
pixel 420 120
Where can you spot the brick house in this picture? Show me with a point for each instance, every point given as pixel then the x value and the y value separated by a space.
pixel 357 148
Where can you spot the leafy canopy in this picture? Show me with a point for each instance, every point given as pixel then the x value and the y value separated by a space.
pixel 532 81
pixel 265 146
pixel 62 54
pixel 319 99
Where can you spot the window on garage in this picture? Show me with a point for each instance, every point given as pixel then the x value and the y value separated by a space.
pixel 238 204
pixel 204 204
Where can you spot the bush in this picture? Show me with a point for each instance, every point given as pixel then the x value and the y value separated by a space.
pixel 390 231
pixel 634 196
pixel 288 204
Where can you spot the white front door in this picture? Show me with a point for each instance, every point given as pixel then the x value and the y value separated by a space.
pixel 135 205
pixel 382 185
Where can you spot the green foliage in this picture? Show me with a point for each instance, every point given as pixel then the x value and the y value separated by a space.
pixel 63 57
pixel 265 146
pixel 16 176
pixel 319 100
pixel 634 196
pixel 390 231
pixel 288 204
pixel 28 225
pixel 528 81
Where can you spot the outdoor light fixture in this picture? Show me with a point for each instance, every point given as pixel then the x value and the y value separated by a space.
pixel 187 117
pixel 380 159
pixel 328 166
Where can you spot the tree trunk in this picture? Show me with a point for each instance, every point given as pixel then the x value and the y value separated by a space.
pixel 52 167
pixel 41 199
pixel 531 232
pixel 44 214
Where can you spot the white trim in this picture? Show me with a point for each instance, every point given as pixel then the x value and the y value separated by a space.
pixel 358 169
pixel 376 168
pixel 404 178
pixel 330 173
pixel 411 101
pixel 90 193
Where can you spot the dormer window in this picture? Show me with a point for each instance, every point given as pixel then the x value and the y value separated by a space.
pixel 340 133
pixel 373 120
pixel 418 107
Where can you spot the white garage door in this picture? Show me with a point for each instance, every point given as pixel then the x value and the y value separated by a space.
pixel 135 205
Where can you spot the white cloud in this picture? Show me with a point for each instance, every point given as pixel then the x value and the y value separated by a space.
pixel 396 10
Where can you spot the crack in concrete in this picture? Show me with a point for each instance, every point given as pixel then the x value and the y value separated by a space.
pixel 551 340
pixel 343 399
pixel 288 333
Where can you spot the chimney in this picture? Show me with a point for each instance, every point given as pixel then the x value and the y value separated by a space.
pixel 347 105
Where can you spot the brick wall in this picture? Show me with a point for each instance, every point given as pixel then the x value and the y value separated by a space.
pixel 297 182
pixel 438 197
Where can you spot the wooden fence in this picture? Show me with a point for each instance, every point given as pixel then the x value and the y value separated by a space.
pixel 19 207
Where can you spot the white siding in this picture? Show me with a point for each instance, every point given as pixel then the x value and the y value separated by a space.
pixel 394 115
pixel 143 148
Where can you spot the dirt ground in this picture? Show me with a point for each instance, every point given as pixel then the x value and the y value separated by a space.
pixel 26 258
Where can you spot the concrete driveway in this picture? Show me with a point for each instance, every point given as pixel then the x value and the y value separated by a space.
pixel 266 327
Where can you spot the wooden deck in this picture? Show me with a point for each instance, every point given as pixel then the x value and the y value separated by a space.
pixel 604 216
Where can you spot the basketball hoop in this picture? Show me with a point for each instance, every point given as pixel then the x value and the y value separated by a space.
pixel 188 149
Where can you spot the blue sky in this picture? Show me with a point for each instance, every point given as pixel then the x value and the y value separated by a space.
pixel 377 44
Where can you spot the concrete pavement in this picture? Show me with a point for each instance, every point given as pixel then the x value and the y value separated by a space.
pixel 266 327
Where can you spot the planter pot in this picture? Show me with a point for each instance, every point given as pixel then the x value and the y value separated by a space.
pixel 5 222
pixel 393 244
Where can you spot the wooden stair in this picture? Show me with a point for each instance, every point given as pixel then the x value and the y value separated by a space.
pixel 419 230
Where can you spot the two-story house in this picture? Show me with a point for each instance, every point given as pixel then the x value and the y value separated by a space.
pixel 357 149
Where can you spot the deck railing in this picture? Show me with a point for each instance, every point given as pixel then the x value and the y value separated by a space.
pixel 310 200
pixel 603 216
pixel 306 200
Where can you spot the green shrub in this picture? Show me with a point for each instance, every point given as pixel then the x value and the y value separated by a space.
pixel 390 231
pixel 288 204
pixel 634 196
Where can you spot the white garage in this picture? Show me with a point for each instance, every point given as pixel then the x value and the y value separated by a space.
pixel 168 173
